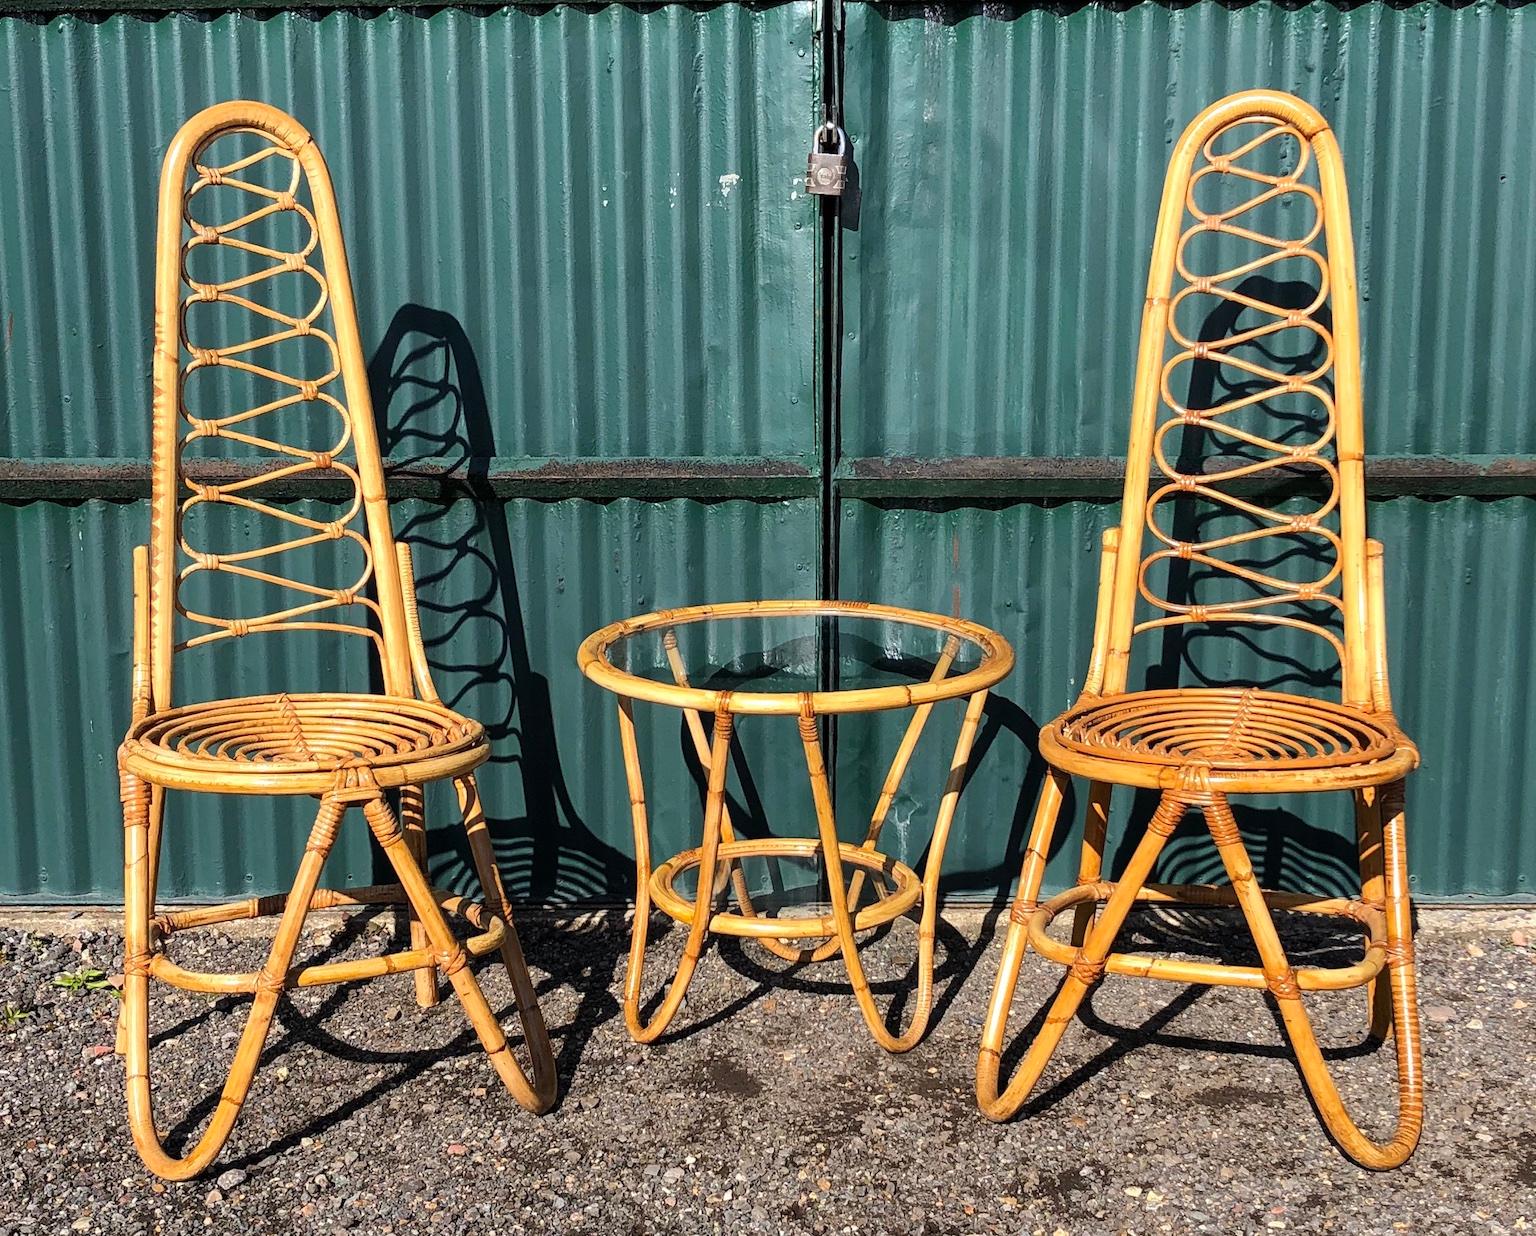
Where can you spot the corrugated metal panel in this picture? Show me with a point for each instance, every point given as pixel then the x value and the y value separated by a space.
pixel 604 199
pixel 508 590
pixel 1011 159
pixel 1461 684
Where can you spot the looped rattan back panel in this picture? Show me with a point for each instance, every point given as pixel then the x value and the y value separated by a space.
pixel 262 407
pixel 1242 508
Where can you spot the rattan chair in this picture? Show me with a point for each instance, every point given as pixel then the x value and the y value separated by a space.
pixel 1194 747
pixel 346 749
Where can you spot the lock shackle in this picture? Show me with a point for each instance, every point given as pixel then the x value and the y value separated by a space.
pixel 832 135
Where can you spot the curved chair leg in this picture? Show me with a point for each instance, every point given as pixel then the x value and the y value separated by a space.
pixel 1047 810
pixel 703 902
pixel 1091 865
pixel 413 819
pixel 137 912
pixel 450 957
pixel 154 823
pixel 1282 985
pixel 535 1033
pixel 1084 972
pixel 1378 991
pixel 838 890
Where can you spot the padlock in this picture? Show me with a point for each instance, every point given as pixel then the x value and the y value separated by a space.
pixel 827 170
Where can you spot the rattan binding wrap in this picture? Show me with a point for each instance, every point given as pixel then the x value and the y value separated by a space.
pixel 345 749
pixel 1199 745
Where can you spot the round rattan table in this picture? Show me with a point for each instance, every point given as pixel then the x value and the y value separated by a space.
pixel 808 660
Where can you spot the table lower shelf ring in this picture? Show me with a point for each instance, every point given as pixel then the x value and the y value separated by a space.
pixel 904 892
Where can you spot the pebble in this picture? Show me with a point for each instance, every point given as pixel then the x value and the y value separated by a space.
pixel 231 1179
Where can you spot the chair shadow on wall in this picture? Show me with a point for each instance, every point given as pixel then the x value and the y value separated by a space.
pixel 433 413
pixel 1287 850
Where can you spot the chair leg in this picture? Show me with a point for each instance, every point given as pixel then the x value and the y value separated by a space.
pixel 535 1034
pixel 838 890
pixel 703 902
pixel 1091 865
pixel 1047 810
pixel 413 819
pixel 1084 972
pixel 138 909
pixel 156 818
pixel 450 957
pixel 1378 991
pixel 1282 985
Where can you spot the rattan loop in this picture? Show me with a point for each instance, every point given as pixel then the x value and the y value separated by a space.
pixel 450 961
pixel 1086 970
pixel 1283 986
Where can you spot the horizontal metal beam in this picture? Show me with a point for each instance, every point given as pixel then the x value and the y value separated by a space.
pixel 70 480
pixel 44 9
pixel 1016 478
pixel 1103 477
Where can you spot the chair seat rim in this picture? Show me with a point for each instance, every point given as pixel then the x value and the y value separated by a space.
pixel 1386 753
pixel 452 744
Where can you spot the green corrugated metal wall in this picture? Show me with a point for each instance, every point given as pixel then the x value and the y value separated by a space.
pixel 542 211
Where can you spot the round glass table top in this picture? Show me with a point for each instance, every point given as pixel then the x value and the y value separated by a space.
pixel 794 656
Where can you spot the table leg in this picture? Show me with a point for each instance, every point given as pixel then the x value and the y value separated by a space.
pixel 838 891
pixel 703 906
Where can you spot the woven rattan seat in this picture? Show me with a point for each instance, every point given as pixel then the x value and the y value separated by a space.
pixel 1225 732
pixel 295 735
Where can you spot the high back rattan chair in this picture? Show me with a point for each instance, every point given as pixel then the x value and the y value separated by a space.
pixel 1269 409
pixel 277 322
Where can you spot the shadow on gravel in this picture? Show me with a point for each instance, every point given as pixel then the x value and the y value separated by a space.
pixel 574 956
pixel 1210 934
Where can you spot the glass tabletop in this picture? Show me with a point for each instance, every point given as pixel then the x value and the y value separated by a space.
pixel 770 655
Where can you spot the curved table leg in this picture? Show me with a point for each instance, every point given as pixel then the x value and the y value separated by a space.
pixel 838 891
pixel 782 948
pixel 703 905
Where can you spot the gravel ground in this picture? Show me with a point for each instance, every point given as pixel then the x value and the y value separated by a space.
pixel 768 1109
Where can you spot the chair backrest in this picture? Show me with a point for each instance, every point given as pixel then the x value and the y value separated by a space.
pixel 1244 474
pixel 260 384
